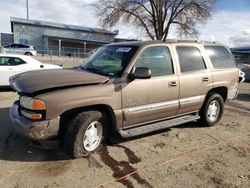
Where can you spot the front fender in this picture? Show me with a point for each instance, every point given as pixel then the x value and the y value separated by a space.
pixel 58 102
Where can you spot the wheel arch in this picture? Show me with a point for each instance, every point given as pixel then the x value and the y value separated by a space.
pixel 68 115
pixel 222 90
pixel 28 53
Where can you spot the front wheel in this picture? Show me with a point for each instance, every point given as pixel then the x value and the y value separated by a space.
pixel 85 134
pixel 212 110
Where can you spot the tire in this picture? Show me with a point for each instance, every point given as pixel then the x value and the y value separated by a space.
pixel 28 54
pixel 89 124
pixel 212 110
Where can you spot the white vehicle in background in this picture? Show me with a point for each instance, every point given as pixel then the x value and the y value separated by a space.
pixel 20 49
pixel 242 76
pixel 11 64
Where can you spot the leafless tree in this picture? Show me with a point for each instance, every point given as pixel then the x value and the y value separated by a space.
pixel 156 16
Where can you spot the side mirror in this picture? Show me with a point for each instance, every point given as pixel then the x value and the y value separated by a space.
pixel 141 73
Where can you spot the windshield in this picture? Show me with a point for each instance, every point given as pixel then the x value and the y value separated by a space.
pixel 109 60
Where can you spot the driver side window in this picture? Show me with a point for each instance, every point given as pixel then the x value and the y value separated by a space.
pixel 158 59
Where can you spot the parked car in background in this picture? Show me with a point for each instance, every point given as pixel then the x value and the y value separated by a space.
pixel 242 76
pixel 242 57
pixel 11 64
pixel 20 49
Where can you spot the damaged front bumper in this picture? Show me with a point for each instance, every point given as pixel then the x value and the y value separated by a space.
pixel 35 130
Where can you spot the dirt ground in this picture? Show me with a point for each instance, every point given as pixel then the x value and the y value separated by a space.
pixel 184 156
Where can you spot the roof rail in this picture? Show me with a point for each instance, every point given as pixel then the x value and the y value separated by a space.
pixel 190 40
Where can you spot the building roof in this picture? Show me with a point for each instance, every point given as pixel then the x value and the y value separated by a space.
pixel 60 25
pixel 76 40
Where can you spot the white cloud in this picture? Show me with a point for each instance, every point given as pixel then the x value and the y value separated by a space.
pixel 71 12
pixel 242 39
pixel 63 11
pixel 229 27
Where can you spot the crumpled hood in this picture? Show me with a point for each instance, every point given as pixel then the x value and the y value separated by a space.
pixel 35 81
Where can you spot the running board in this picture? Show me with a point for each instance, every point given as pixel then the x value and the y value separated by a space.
pixel 144 129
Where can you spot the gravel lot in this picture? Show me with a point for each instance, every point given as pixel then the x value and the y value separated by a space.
pixel 184 156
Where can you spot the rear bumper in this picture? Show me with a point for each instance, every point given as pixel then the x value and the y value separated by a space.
pixel 35 130
pixel 232 93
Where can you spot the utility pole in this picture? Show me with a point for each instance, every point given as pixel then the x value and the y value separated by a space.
pixel 27 8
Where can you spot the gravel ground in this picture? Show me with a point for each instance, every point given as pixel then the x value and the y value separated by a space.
pixel 184 156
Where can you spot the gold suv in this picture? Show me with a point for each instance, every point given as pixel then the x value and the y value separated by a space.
pixel 132 88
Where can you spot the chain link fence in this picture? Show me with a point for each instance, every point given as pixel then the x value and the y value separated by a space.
pixel 66 56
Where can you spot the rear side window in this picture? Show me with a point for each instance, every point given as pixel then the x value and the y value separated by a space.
pixel 190 59
pixel 21 46
pixel 13 45
pixel 18 61
pixel 220 57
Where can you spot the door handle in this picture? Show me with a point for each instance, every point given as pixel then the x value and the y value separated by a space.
pixel 10 68
pixel 205 79
pixel 172 84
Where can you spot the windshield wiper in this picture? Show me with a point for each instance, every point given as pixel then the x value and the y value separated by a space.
pixel 96 71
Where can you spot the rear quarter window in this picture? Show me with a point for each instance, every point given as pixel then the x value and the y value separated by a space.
pixel 18 61
pixel 220 57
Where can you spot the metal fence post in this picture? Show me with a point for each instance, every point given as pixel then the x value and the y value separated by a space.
pixel 50 57
pixel 75 59
pixel 60 47
pixel 84 53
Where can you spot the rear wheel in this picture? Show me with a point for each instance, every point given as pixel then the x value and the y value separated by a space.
pixel 212 110
pixel 28 53
pixel 85 134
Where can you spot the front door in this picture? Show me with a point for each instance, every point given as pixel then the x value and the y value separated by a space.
pixel 7 69
pixel 148 100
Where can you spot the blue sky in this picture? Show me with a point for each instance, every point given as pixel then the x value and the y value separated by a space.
pixel 233 5
pixel 229 23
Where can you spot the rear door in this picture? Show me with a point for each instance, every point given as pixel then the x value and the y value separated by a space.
pixel 195 77
pixel 147 100
pixel 19 48
pixel 21 65
pixel 225 72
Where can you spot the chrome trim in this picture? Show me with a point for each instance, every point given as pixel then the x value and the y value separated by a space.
pixel 161 119
pixel 189 100
pixel 153 106
pixel 168 104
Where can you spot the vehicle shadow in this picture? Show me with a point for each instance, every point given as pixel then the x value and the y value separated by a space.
pixel 243 97
pixel 6 89
pixel 117 139
pixel 14 148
